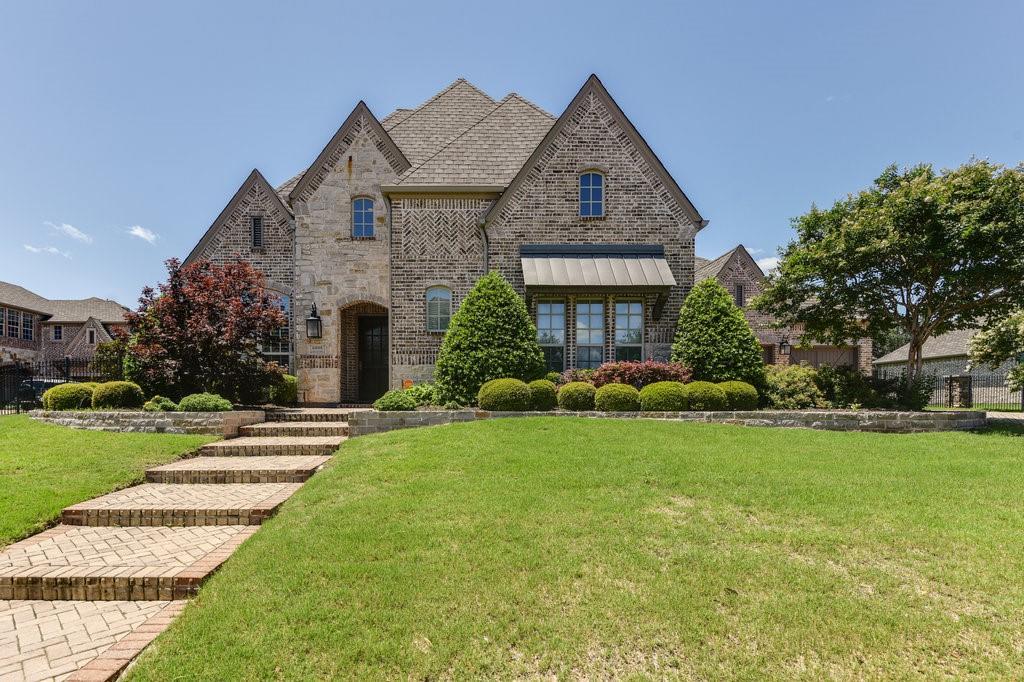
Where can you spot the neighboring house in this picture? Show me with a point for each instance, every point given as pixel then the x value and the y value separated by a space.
pixel 389 227
pixel 742 277
pixel 944 355
pixel 37 328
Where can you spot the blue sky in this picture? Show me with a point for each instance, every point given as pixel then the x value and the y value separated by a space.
pixel 126 126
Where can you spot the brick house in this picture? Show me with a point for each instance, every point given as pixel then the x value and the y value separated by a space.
pixel 740 274
pixel 389 227
pixel 36 328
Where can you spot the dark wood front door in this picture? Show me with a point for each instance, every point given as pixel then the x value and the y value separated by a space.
pixel 373 357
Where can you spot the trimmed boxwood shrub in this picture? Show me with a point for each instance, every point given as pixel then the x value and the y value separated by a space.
pixel 577 396
pixel 504 395
pixel 491 336
pixel 117 394
pixel 543 395
pixel 617 398
pixel 69 396
pixel 286 391
pixel 554 377
pixel 705 396
pixel 395 401
pixel 739 395
pixel 204 402
pixel 158 403
pixel 664 396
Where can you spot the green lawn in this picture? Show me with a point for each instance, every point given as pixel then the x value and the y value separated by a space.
pixel 44 468
pixel 531 548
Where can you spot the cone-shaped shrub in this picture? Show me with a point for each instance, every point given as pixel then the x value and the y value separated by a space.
pixel 491 336
pixel 714 340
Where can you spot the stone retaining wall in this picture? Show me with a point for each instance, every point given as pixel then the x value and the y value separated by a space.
pixel 362 423
pixel 224 424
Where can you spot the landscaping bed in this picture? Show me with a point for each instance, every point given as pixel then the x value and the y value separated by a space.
pixel 624 549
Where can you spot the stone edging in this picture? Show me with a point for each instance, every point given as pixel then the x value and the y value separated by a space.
pixel 224 424
pixel 363 423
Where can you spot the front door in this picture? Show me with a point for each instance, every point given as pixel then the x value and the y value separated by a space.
pixel 373 357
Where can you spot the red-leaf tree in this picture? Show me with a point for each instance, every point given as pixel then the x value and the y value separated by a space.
pixel 201 330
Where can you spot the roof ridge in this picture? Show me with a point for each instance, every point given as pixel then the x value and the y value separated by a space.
pixel 531 103
pixel 440 94
pixel 452 141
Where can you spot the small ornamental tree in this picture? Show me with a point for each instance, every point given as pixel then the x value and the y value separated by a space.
pixel 201 331
pixel 491 336
pixel 1001 341
pixel 714 339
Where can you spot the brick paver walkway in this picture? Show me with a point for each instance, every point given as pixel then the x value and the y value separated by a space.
pixel 137 553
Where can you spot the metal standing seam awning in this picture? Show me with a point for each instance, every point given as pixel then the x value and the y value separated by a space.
pixel 596 268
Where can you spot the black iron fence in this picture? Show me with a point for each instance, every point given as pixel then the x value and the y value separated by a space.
pixel 22 384
pixel 987 392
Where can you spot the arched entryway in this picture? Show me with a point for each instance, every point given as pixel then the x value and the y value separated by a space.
pixel 364 351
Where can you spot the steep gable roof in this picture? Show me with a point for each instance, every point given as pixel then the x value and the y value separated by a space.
pixel 318 170
pixel 490 152
pixel 704 268
pixel 255 177
pixel 594 87
pixel 426 129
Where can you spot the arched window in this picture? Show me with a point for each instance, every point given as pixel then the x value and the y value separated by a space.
pixel 362 217
pixel 591 195
pixel 439 308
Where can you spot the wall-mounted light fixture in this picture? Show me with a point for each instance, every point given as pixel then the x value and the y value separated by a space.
pixel 314 327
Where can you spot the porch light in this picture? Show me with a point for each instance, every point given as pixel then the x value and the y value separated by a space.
pixel 314 327
pixel 784 347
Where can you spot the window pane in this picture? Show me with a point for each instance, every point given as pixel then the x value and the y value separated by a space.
pixel 585 180
pixel 627 353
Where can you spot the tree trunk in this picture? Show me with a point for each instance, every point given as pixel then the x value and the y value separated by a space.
pixel 914 358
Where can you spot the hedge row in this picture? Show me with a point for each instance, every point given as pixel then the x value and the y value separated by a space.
pixel 125 395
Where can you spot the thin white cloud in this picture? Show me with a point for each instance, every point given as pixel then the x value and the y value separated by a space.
pixel 53 250
pixel 142 233
pixel 768 264
pixel 71 231
pixel 754 252
pixel 830 98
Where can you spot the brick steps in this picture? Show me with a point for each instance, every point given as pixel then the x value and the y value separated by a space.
pixel 295 428
pixel 309 414
pixel 113 563
pixel 237 470
pixel 164 504
pixel 257 446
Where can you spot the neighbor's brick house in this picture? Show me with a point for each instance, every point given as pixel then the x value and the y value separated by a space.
pixel 390 226
pixel 36 328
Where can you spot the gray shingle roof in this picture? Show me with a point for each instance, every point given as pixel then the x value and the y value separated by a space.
pixel 62 310
pixel 706 269
pixel 950 345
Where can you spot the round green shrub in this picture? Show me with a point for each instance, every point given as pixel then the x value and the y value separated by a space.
pixel 705 396
pixel 617 398
pixel 576 396
pixel 158 403
pixel 739 395
pixel 664 396
pixel 395 401
pixel 117 395
pixel 69 396
pixel 543 395
pixel 286 391
pixel 504 395
pixel 554 377
pixel 204 402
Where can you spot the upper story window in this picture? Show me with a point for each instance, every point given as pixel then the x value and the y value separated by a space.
pixel 739 295
pixel 28 324
pixel 90 335
pixel 58 332
pixel 439 308
pixel 257 232
pixel 362 217
pixel 13 323
pixel 591 195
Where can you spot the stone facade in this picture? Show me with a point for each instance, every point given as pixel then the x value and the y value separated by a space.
pixel 224 424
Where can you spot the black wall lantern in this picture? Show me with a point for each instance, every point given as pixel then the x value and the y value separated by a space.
pixel 314 327
pixel 784 347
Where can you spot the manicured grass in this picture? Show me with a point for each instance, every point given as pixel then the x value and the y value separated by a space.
pixel 526 548
pixel 44 468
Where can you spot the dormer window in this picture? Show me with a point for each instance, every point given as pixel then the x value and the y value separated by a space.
pixel 362 218
pixel 257 232
pixel 591 195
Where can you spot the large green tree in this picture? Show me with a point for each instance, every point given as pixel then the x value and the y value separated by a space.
pixel 1000 341
pixel 918 251
pixel 491 336
pixel 714 339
